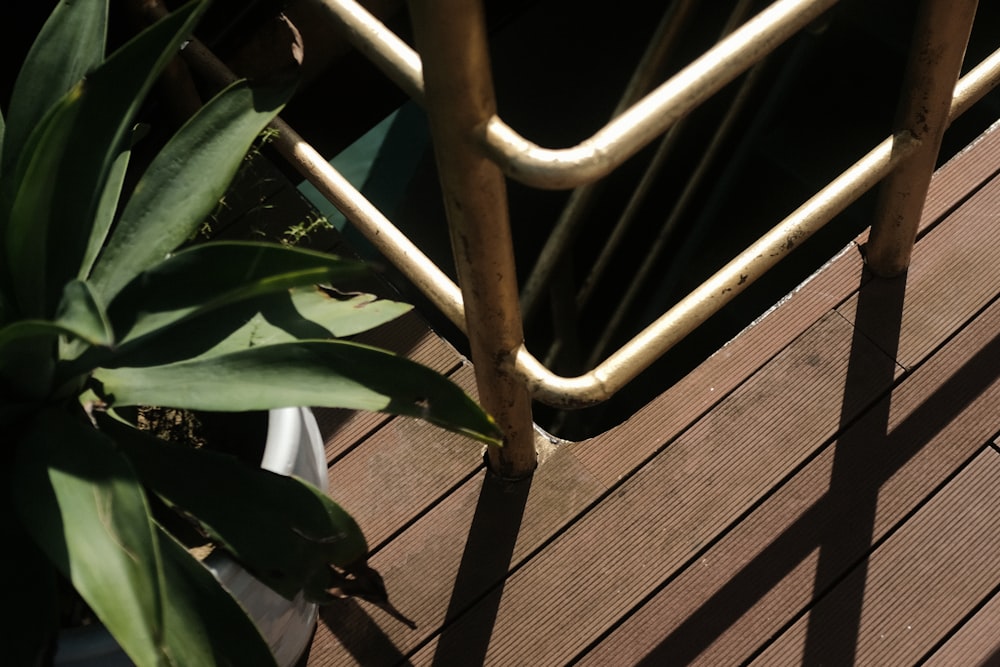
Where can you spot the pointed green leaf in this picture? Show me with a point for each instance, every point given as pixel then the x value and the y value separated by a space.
pixel 82 504
pixel 342 314
pixel 24 331
pixel 210 276
pixel 80 318
pixel 185 182
pixel 70 44
pixel 326 373
pixel 296 530
pixel 115 90
pixel 327 313
pixel 204 624
pixel 301 313
pixel 80 313
pixel 31 195
pixel 107 208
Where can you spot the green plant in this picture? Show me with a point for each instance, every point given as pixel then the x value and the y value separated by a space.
pixel 98 311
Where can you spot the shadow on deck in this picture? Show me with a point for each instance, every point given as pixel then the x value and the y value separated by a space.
pixel 821 490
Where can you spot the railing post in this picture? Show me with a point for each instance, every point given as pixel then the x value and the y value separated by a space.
pixel 458 93
pixel 936 53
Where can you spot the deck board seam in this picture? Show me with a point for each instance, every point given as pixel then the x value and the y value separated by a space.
pixel 959 625
pixel 431 506
pixel 733 525
pixel 928 226
pixel 383 423
pixel 850 568
pixel 708 408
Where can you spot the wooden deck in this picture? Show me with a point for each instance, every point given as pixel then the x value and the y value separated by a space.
pixel 823 490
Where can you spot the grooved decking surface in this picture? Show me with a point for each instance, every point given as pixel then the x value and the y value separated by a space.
pixel 823 490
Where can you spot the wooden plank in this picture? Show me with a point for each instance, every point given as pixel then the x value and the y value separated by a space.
pixel 952 277
pixel 402 469
pixel 449 558
pixel 697 487
pixel 962 174
pixel 407 336
pixel 420 564
pixel 976 642
pixel 615 453
pixel 915 587
pixel 764 573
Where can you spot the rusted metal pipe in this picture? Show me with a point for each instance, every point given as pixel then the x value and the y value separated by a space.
pixel 940 38
pixel 459 98
pixel 618 369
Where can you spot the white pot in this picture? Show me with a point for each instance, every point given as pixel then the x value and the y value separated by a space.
pixel 294 446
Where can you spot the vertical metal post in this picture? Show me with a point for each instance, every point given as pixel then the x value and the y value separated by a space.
pixel 458 91
pixel 936 53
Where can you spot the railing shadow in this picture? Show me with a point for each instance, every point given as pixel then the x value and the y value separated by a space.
pixel 841 525
pixel 487 557
pixel 852 499
pixel 359 633
pixel 476 592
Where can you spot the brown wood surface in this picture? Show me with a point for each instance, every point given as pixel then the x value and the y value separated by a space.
pixel 976 641
pixel 801 496
pixel 911 591
pixel 765 572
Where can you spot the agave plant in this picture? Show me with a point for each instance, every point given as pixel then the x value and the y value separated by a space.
pixel 99 310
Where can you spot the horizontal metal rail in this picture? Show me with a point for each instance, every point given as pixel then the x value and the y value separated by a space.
pixel 732 56
pixel 623 365
pixel 625 134
pixel 629 360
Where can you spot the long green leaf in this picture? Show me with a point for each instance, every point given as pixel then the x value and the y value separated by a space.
pixel 70 44
pixel 80 312
pixel 295 532
pixel 204 624
pixel 185 182
pixel 326 313
pixel 25 342
pixel 29 203
pixel 326 373
pixel 107 209
pixel 211 276
pixel 301 313
pixel 116 89
pixel 83 506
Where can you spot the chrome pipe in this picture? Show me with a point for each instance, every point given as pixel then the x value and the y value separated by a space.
pixel 627 133
pixel 380 45
pixel 656 339
pixel 624 136
pixel 623 365
pixel 652 257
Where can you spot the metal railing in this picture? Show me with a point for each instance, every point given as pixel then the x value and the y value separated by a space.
pixel 476 150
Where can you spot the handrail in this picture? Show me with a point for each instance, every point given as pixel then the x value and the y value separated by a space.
pixel 623 365
pixel 610 376
pixel 624 135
